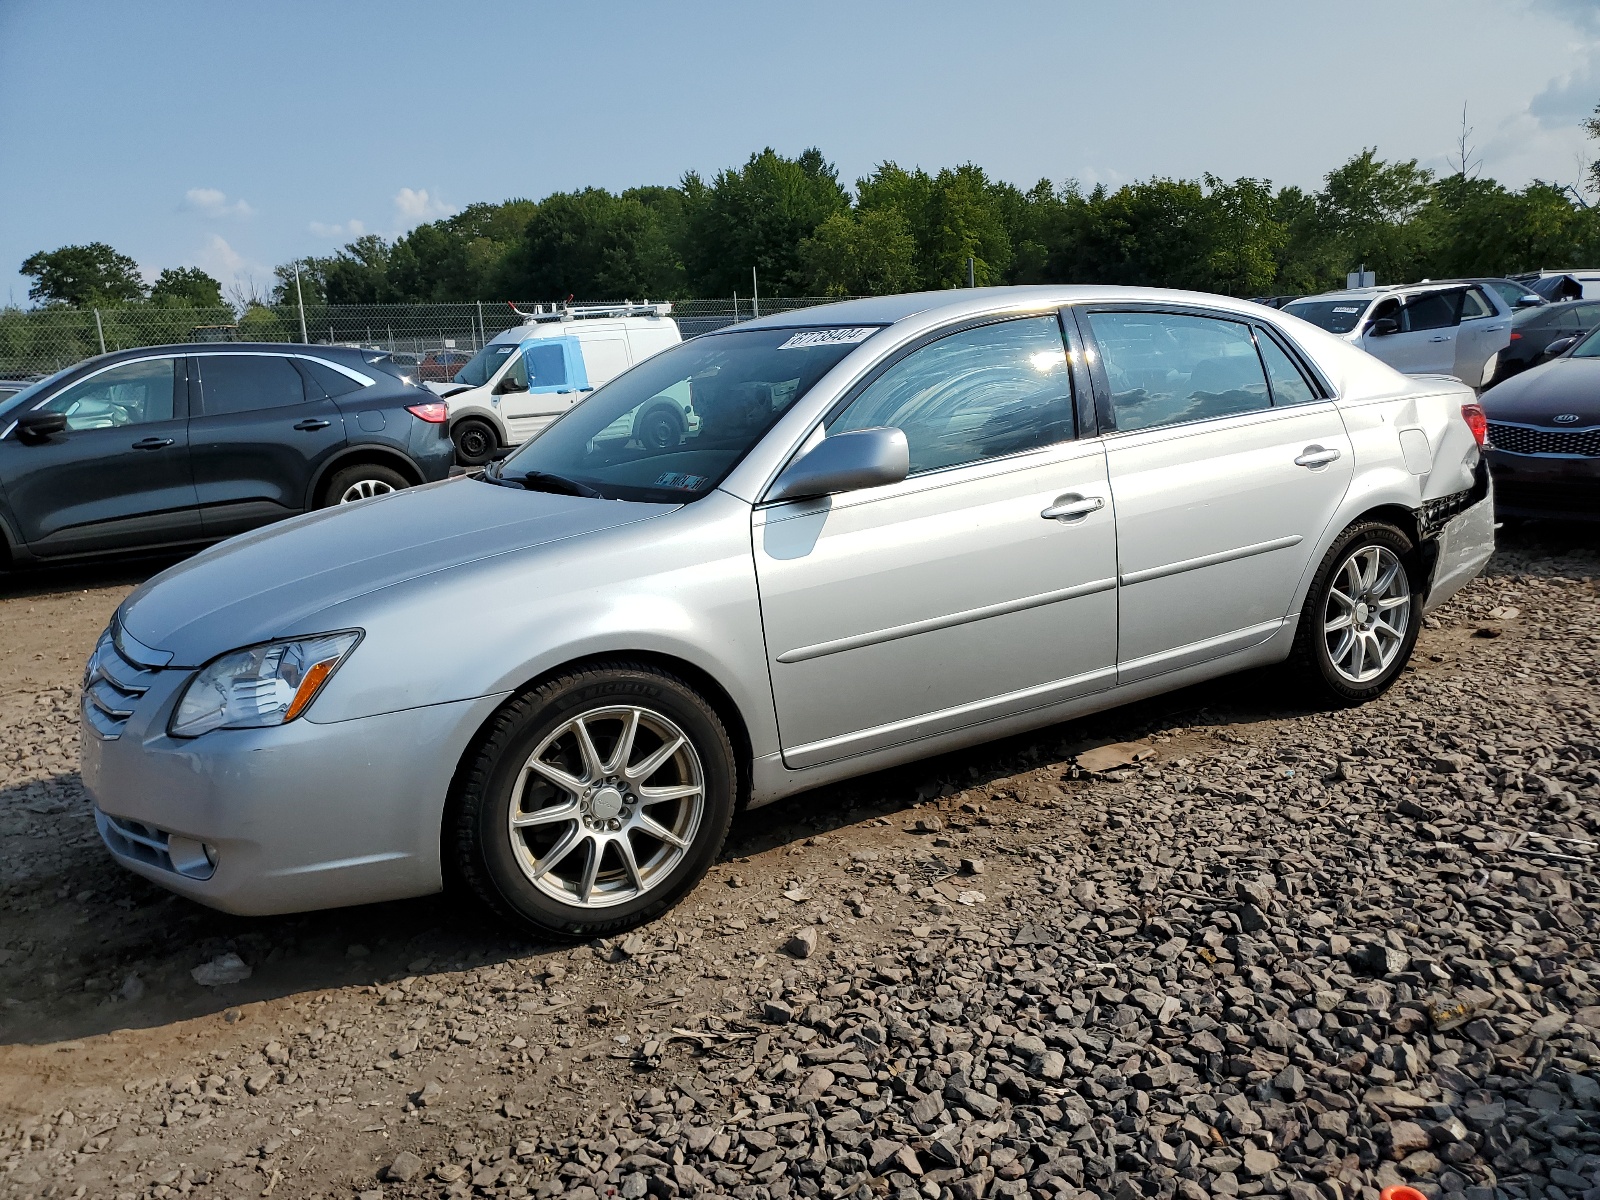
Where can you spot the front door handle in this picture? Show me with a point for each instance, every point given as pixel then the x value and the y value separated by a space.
pixel 1073 507
pixel 153 443
pixel 1316 456
pixel 1441 338
pixel 312 423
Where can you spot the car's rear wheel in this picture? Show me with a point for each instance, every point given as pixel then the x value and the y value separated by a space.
pixel 1361 617
pixel 596 801
pixel 362 482
pixel 476 441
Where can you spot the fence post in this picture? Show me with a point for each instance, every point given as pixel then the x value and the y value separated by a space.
pixel 483 334
pixel 101 330
pixel 305 339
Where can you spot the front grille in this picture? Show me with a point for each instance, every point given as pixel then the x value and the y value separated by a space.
pixel 1529 439
pixel 112 687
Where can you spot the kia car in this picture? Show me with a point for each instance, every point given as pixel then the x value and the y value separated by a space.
pixel 169 446
pixel 903 525
pixel 1544 436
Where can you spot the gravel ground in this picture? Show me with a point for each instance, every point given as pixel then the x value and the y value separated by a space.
pixel 1235 949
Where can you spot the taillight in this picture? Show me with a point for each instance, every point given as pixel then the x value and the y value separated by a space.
pixel 1516 337
pixel 438 412
pixel 1476 421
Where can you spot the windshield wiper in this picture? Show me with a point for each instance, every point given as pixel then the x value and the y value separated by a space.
pixel 544 481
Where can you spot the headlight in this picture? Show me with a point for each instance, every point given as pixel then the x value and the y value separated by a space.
pixel 260 686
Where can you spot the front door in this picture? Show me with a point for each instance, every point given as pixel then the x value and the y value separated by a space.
pixel 118 477
pixel 257 439
pixel 1223 482
pixel 547 378
pixel 1426 342
pixel 1484 332
pixel 905 611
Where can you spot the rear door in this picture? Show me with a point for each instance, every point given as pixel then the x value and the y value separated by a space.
pixel 1484 332
pixel 1223 484
pixel 118 477
pixel 257 438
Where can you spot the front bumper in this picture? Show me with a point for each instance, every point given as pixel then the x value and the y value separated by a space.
pixel 1565 487
pixel 300 817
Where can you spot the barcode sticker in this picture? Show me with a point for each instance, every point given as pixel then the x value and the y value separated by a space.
pixel 829 337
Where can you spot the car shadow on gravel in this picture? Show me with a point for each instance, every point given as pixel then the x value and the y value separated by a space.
pixel 87 948
pixel 50 580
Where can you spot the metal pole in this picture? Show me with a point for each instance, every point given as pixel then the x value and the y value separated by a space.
pixel 101 330
pixel 736 308
pixel 971 274
pixel 755 295
pixel 483 334
pixel 305 339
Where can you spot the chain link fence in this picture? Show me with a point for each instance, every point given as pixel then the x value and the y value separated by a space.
pixel 35 342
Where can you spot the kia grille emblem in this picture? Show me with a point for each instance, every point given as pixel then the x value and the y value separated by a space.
pixel 1567 419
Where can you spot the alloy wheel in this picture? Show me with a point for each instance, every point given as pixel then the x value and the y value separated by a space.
pixel 607 806
pixel 365 489
pixel 1367 614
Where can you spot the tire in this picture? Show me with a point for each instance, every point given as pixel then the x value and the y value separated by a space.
pixel 476 441
pixel 537 872
pixel 661 428
pixel 1358 661
pixel 362 482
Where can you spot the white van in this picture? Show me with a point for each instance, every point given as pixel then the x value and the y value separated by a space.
pixel 528 376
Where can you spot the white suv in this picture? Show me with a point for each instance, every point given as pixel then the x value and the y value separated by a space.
pixel 1452 329
pixel 528 376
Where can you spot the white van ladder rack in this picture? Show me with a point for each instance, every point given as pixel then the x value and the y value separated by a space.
pixel 567 312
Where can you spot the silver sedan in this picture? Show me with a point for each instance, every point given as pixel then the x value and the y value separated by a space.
pixel 900 526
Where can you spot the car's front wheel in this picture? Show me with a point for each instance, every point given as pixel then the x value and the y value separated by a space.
pixel 475 441
pixel 1361 617
pixel 596 801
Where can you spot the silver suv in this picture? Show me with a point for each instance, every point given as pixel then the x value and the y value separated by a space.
pixel 1453 329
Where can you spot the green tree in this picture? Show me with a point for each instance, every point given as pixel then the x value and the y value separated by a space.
pixel 757 216
pixel 186 287
pixel 1369 209
pixel 870 252
pixel 592 245
pixel 460 257
pixel 83 276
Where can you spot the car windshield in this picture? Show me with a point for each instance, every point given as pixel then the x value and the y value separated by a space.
pixel 484 364
pixel 1511 291
pixel 14 403
pixel 1336 316
pixel 670 429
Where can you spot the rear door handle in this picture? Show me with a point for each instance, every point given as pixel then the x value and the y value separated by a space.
pixel 1443 337
pixel 312 423
pixel 1073 507
pixel 153 443
pixel 1316 456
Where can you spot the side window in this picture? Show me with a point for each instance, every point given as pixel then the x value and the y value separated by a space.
pixel 135 393
pixel 1474 305
pixel 1588 315
pixel 981 393
pixel 1436 310
pixel 331 382
pixel 517 373
pixel 1166 369
pixel 545 364
pixel 1289 384
pixel 235 383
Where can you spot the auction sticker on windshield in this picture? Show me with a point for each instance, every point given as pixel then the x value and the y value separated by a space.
pixel 829 337
pixel 680 481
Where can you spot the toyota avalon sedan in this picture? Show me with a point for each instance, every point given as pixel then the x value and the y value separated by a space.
pixel 903 525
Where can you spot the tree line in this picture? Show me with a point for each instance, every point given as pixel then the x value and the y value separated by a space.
pixel 804 233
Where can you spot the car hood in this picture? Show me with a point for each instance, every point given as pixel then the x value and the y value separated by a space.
pixel 273 582
pixel 1560 387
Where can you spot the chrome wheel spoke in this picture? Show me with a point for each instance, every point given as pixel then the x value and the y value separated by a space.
pixel 674 791
pixel 555 775
pixel 558 853
pixel 630 862
pixel 1340 622
pixel 591 870
pixel 1389 602
pixel 624 749
pixel 545 816
pixel 647 824
pixel 593 768
pixel 639 772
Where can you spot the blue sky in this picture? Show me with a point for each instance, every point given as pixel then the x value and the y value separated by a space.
pixel 236 136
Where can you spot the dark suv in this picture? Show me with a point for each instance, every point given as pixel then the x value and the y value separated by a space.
pixel 170 445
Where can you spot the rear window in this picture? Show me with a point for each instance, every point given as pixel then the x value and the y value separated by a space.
pixel 1336 316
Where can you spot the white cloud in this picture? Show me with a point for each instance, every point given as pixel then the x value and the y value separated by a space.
pixel 415 204
pixel 211 202
pixel 353 228
pixel 222 262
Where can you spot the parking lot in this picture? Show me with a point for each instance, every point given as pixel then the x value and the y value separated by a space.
pixel 1282 952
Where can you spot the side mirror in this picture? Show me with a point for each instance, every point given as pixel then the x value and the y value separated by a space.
pixel 1559 346
pixel 1384 326
pixel 1529 302
pixel 38 427
pixel 509 384
pixel 846 462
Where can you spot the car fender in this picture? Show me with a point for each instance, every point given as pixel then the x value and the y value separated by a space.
pixel 680 586
pixel 362 450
